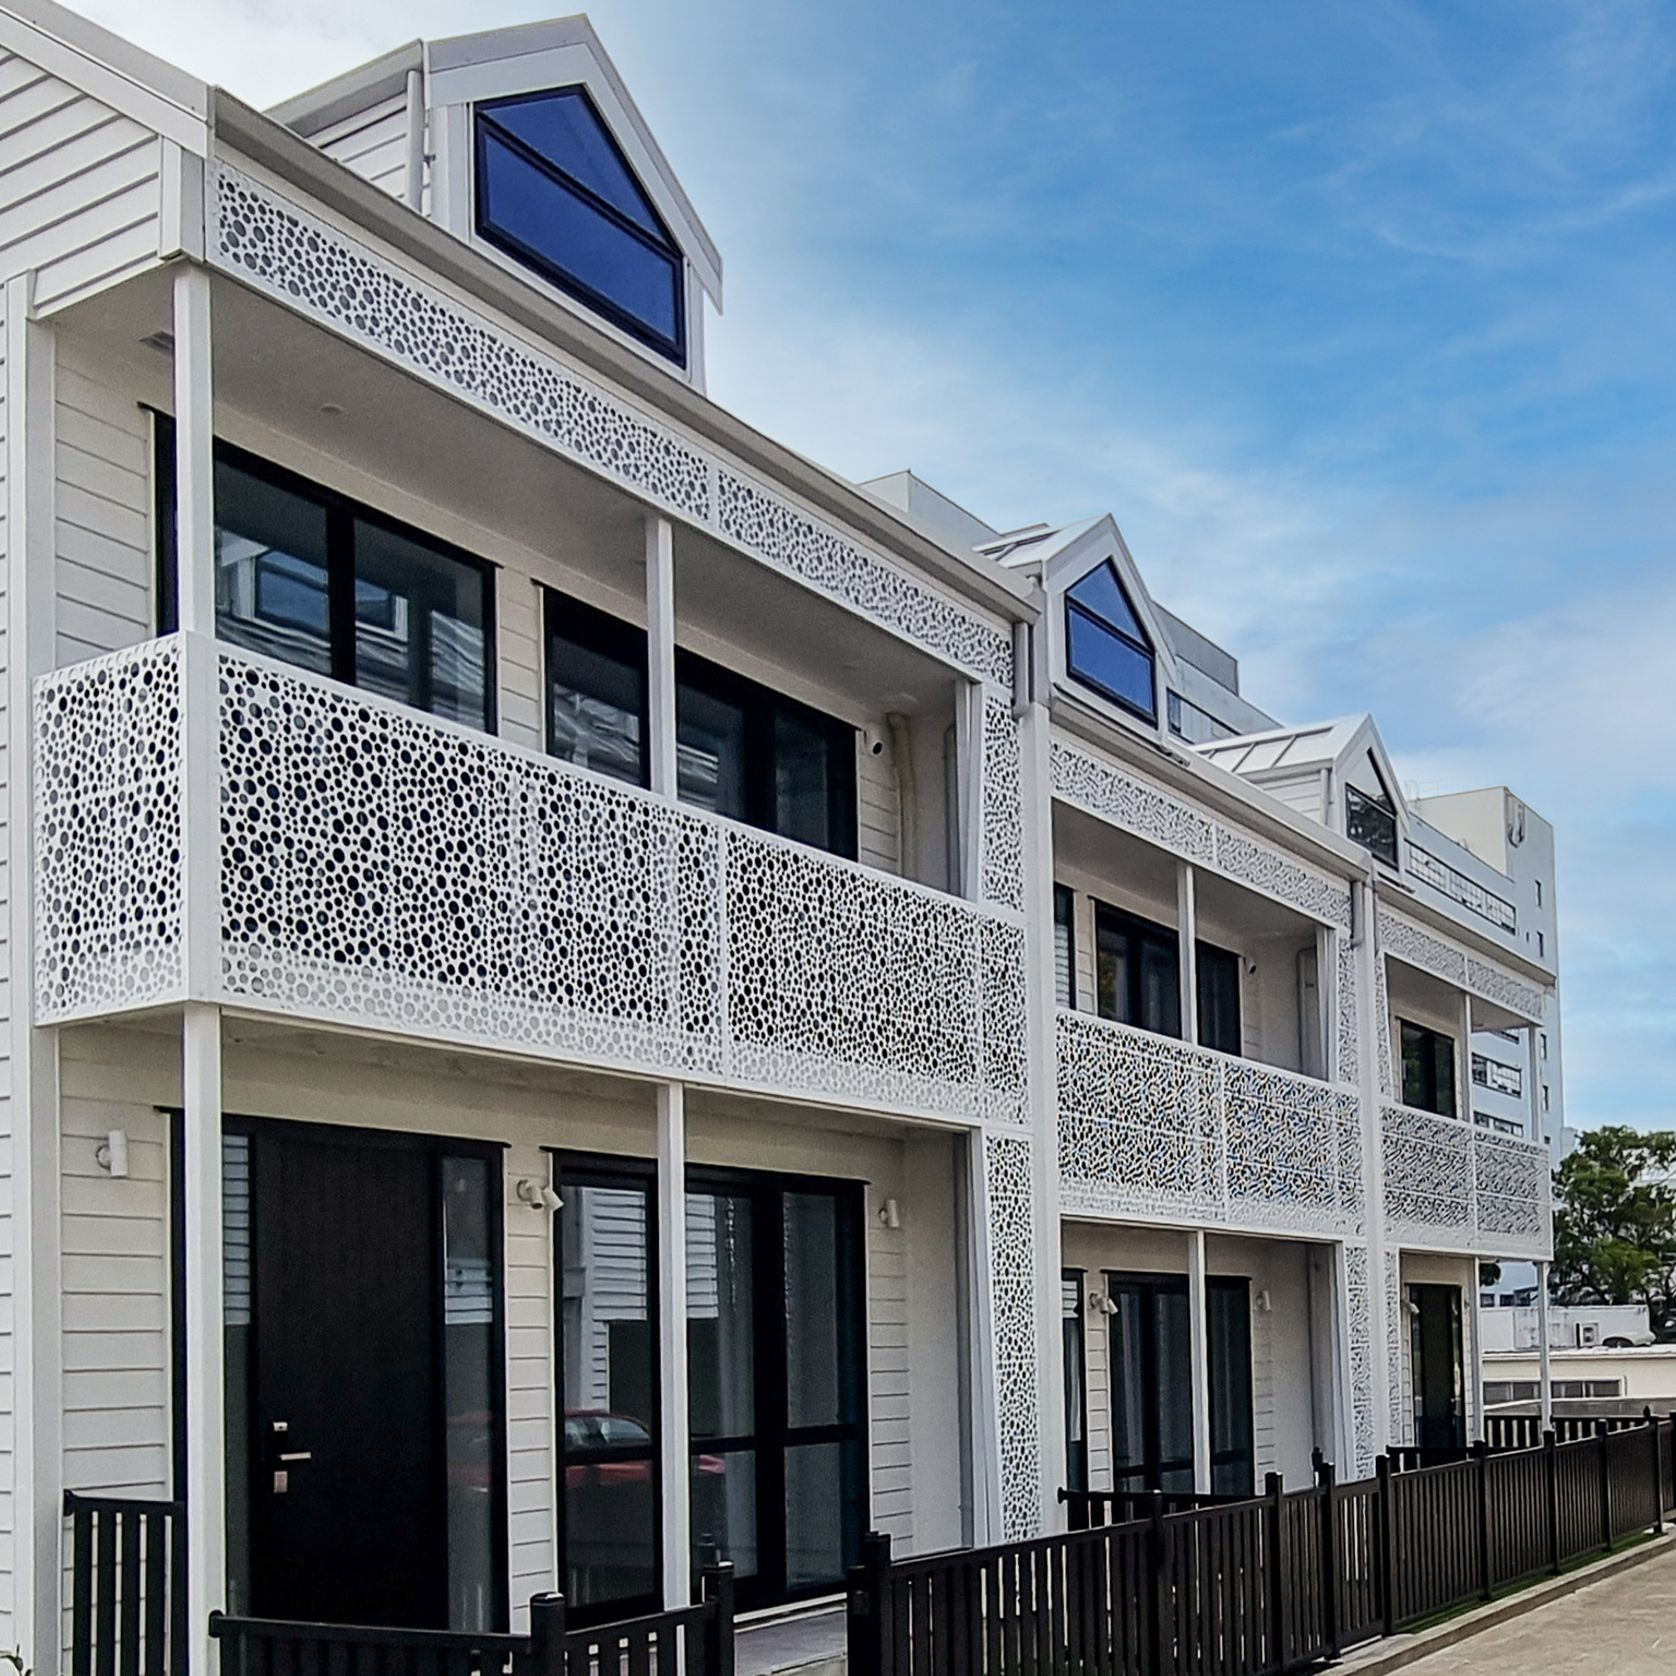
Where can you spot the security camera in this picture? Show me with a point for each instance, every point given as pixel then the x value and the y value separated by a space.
pixel 874 741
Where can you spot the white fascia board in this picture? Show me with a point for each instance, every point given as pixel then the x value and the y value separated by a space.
pixel 110 69
pixel 330 101
pixel 239 129
pixel 566 52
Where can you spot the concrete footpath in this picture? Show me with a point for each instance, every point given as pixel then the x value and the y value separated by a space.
pixel 1623 1625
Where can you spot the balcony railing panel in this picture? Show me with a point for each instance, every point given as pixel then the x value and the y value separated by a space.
pixel 383 868
pixel 1461 1187
pixel 1157 1128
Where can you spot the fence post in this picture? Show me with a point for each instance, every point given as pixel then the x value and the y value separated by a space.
pixel 1387 1544
pixel 547 1629
pixel 1669 1481
pixel 1328 1482
pixel 1551 1480
pixel 1481 1471
pixel 1158 1559
pixel 867 1638
pixel 718 1630
pixel 1656 1427
pixel 1280 1569
pixel 1602 1433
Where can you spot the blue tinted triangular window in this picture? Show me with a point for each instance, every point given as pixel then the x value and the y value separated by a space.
pixel 566 130
pixel 1101 593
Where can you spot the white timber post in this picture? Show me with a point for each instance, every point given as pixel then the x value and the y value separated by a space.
pixel 37 1280
pixel 1187 935
pixel 194 452
pixel 967 850
pixel 206 1497
pixel 1544 1349
pixel 1533 1085
pixel 1198 1338
pixel 1463 1099
pixel 1475 1374
pixel 660 655
pixel 675 1453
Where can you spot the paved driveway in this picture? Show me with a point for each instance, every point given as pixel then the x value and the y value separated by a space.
pixel 1625 1626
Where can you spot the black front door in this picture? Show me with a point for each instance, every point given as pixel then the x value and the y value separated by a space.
pixel 364 1410
pixel 1435 1329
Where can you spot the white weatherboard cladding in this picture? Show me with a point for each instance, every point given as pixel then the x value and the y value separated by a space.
pixel 1150 1127
pixel 343 283
pixel 1461 1187
pixel 372 142
pixel 1102 789
pixel 1407 941
pixel 380 867
pixel 82 194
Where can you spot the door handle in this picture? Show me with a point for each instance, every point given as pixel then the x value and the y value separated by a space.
pixel 297 1455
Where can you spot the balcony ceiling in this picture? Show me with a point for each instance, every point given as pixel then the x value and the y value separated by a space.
pixel 464 473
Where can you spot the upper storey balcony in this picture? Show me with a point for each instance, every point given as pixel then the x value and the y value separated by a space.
pixel 493 738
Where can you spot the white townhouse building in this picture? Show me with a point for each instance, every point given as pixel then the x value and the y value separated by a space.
pixel 585 995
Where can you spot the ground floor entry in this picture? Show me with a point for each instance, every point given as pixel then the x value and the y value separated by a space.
pixel 367 1389
pixel 364 1390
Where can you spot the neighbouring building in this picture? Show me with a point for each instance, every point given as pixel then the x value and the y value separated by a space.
pixel 1624 1380
pixel 584 994
pixel 1510 1320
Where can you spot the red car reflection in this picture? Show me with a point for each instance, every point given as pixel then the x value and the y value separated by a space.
pixel 596 1433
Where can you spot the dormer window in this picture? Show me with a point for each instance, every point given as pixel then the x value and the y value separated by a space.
pixel 1371 821
pixel 1105 646
pixel 554 190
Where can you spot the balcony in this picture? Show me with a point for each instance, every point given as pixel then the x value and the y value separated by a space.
pixel 1154 1129
pixel 214 825
pixel 1461 1187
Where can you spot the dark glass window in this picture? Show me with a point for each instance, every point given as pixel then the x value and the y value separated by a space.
pixel 1219 999
pixel 1064 946
pixel 596 690
pixel 742 749
pixel 608 1354
pixel 1428 1069
pixel 1371 821
pixel 554 190
pixel 1076 1385
pixel 1137 971
pixel 1105 645
pixel 1228 1336
pixel 315 580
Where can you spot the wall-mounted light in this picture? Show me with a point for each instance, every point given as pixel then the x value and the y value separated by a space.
pixel 890 1214
pixel 112 1153
pixel 1100 1304
pixel 538 1195
pixel 1265 1304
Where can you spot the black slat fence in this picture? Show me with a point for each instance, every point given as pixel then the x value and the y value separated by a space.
pixel 127 1564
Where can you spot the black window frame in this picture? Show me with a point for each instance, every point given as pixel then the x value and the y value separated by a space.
pixel 562 616
pixel 1065 919
pixel 586 1169
pixel 760 705
pixel 342 513
pixel 1436 1050
pixel 1076 608
pixel 1138 929
pixel 672 349
pixel 1210 962
pixel 1074 1349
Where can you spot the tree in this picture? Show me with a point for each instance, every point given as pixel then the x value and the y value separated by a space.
pixel 1615 1223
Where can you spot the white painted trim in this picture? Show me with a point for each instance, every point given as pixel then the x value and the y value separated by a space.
pixel 675 1456
pixel 206 1487
pixel 194 451
pixel 1544 1349
pixel 1198 1349
pixel 1187 958
pixel 660 655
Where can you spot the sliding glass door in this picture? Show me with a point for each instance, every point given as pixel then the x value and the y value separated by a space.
pixel 1152 1384
pixel 776 1376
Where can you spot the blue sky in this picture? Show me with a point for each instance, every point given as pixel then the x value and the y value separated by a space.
pixel 1361 318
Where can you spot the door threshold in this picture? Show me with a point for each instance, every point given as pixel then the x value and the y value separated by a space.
pixel 788 1612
